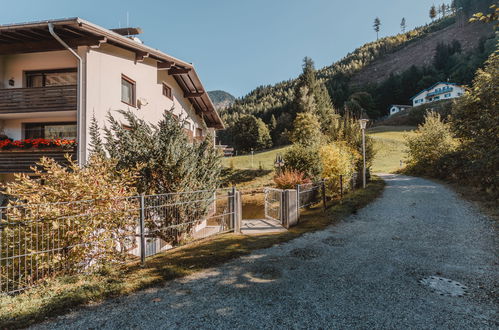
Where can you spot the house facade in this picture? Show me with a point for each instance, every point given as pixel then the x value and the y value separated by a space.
pixel 396 108
pixel 56 75
pixel 437 92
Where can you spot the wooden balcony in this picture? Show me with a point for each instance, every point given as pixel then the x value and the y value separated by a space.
pixel 20 161
pixel 38 99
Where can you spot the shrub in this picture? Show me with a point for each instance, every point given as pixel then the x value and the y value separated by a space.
pixel 338 159
pixel 432 140
pixel 92 232
pixel 288 179
pixel 303 159
pixel 168 161
pixel 475 120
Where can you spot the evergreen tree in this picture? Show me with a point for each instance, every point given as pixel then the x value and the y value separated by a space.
pixel 403 25
pixel 306 130
pixel 96 146
pixel 312 96
pixel 377 26
pixel 273 123
pixel 433 12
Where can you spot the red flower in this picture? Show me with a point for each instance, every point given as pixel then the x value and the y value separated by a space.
pixel 36 143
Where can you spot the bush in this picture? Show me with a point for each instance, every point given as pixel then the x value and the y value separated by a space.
pixel 303 159
pixel 168 161
pixel 92 232
pixel 288 179
pixel 338 159
pixel 476 122
pixel 432 140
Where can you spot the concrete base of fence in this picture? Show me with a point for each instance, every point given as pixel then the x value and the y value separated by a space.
pixel 289 208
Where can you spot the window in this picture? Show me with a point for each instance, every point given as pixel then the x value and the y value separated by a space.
pixel 167 91
pixel 199 132
pixel 46 78
pixel 127 91
pixel 50 131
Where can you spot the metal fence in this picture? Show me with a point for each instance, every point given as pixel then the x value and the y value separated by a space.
pixel 273 204
pixel 310 194
pixel 47 240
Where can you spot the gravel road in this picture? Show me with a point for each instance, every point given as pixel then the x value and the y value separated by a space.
pixel 362 273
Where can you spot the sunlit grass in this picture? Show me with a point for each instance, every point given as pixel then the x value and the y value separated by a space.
pixel 390 147
pixel 264 160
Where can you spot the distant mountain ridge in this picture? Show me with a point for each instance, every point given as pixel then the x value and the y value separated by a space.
pixel 221 99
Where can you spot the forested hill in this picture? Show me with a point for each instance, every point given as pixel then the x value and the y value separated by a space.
pixel 384 72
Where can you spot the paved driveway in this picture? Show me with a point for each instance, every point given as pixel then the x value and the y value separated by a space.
pixel 362 273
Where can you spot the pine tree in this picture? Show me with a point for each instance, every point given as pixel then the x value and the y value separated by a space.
pixel 273 123
pixel 96 146
pixel 443 10
pixel 377 26
pixel 312 96
pixel 403 25
pixel 433 12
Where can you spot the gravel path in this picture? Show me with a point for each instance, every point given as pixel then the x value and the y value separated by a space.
pixel 362 273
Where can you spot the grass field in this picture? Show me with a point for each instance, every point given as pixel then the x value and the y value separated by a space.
pixel 390 147
pixel 265 160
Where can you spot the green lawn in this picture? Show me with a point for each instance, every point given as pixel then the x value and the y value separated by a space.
pixel 265 158
pixel 390 147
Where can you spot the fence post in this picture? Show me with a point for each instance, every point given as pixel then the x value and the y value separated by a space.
pixel 323 186
pixel 298 202
pixel 341 186
pixel 232 206
pixel 142 230
pixel 239 213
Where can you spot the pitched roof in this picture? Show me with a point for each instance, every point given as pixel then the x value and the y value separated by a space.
pixel 35 37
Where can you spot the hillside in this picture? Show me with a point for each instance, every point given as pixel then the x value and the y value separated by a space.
pixel 421 52
pixel 383 72
pixel 221 99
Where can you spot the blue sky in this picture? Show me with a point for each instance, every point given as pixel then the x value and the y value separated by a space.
pixel 237 45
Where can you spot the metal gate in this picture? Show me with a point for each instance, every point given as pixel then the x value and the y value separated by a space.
pixel 273 204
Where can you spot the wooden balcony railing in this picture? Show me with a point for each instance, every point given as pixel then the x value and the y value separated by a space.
pixel 21 161
pixel 37 99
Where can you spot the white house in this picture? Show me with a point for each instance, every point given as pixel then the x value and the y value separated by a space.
pixel 395 108
pixel 55 75
pixel 437 92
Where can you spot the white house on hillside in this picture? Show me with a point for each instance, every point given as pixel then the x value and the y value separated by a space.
pixel 55 75
pixel 437 92
pixel 395 108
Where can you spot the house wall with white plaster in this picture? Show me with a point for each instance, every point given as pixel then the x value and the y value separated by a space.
pixel 104 69
pixel 441 91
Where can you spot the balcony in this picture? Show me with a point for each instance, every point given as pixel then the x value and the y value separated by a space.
pixel 441 91
pixel 21 161
pixel 38 99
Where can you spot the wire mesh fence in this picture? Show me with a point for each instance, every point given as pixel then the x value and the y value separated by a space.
pixel 309 193
pixel 47 240
pixel 273 204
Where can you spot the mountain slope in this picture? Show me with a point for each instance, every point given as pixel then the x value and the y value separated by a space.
pixel 421 52
pixel 221 99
